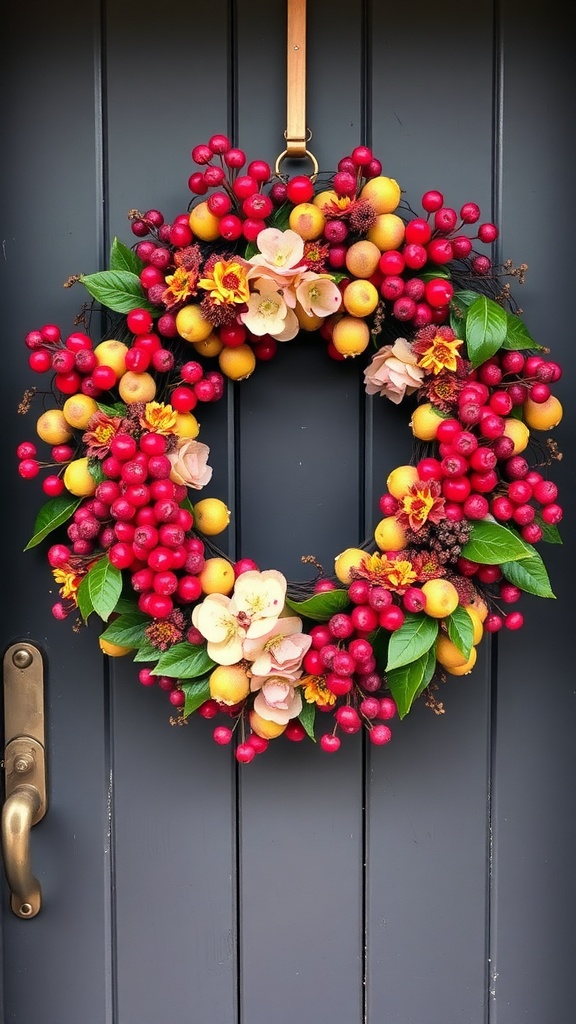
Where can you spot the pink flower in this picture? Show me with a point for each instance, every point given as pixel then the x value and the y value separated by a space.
pixel 189 464
pixel 393 372
pixel 277 700
pixel 280 651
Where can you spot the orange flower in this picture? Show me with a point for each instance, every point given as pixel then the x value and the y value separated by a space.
pixel 421 504
pixel 159 418
pixel 391 573
pixel 315 691
pixel 181 286
pixel 438 349
pixel 101 431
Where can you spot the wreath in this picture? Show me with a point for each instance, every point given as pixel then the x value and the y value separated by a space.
pixel 195 306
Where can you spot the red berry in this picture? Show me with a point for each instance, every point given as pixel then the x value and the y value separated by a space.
pixel 391 618
pixel 379 735
pixel 470 213
pixel 300 189
pixel 445 219
pixel 329 743
pixel 418 230
pixel 245 753
pixel 515 620
pixel 432 201
pixel 493 623
pixel 487 233
pixel 222 734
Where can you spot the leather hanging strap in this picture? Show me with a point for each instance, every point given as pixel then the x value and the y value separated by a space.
pixel 296 132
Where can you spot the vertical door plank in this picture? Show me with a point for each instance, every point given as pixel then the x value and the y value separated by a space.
pixel 49 186
pixel 300 850
pixel 173 809
pixel 427 798
pixel 535 835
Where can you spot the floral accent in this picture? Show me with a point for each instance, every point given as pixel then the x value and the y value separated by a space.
pixel 69 580
pixel 280 651
pixel 318 295
pixel 393 372
pixel 159 418
pixel 423 503
pixel 164 633
pixel 190 464
pixel 268 313
pixel 438 349
pixel 102 429
pixel 277 700
pixel 252 611
pixel 395 574
pixel 182 285
pixel 316 691
pixel 228 284
pixel 443 389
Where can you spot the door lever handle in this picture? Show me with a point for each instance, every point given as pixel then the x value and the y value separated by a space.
pixel 24 772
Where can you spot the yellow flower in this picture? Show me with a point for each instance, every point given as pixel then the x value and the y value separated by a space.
pixel 228 283
pixel 159 418
pixel 316 692
pixel 440 353
pixel 392 573
pixel 422 504
pixel 181 285
pixel 69 582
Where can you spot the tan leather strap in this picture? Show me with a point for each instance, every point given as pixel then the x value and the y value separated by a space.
pixel 296 133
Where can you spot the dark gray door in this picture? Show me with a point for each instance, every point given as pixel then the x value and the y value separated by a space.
pixel 429 882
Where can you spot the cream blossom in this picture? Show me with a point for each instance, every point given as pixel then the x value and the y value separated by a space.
pixel 259 596
pixel 277 700
pixel 317 294
pixel 280 251
pixel 189 464
pixel 393 372
pixel 280 651
pixel 268 313
pixel 221 628
pixel 252 611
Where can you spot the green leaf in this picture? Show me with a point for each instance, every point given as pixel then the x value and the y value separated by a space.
pixel 530 575
pixel 550 532
pixel 517 334
pixel 492 544
pixel 380 640
pixel 461 301
pixel 415 636
pixel 51 516
pixel 101 588
pixel 307 717
pixel 119 409
pixel 186 661
pixel 95 470
pixel 119 290
pixel 123 258
pixel 320 607
pixel 407 682
pixel 486 329
pixel 196 694
pixel 146 653
pixel 461 630
pixel 128 630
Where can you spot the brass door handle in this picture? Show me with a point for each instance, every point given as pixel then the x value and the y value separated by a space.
pixel 24 772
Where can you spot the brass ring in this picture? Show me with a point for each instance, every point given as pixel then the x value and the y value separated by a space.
pixel 307 153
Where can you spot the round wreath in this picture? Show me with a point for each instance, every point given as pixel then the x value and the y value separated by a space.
pixel 204 300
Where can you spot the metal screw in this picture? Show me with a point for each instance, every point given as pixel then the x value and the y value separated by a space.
pixel 22 658
pixel 23 763
pixel 26 910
